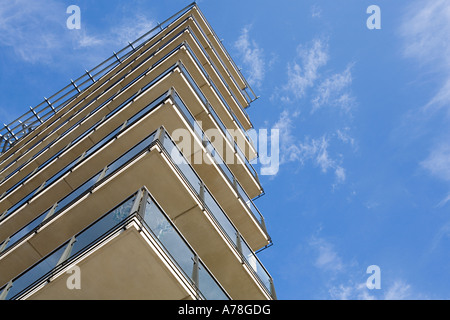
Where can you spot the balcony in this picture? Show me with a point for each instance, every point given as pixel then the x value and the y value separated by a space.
pixel 196 213
pixel 111 253
pixel 62 182
pixel 121 85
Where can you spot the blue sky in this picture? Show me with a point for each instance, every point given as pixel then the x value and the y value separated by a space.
pixel 363 116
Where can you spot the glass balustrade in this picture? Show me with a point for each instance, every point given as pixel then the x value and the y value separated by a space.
pixel 153 218
pixel 217 212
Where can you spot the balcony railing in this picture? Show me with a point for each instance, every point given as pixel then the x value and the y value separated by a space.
pixel 162 138
pixel 217 213
pixel 140 208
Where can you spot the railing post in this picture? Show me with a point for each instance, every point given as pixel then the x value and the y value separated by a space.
pixel 160 133
pixel 137 202
pixel 236 188
pixel 52 210
pixel 67 251
pixel 102 174
pixel 115 54
pixel 263 226
pixel 195 273
pixel 239 246
pixel 6 290
pixel 202 191
pixel 3 214
pixel 272 289
pixel 2 247
pixel 92 79
pixel 143 203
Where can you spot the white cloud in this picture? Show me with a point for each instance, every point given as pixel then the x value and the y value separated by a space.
pixel 344 136
pixel 252 56
pixel 303 74
pixel 310 150
pixel 438 162
pixel 399 290
pixel 425 31
pixel 28 28
pixel 316 12
pixel 37 33
pixel 333 91
pixel 326 256
pixel 444 201
pixel 132 28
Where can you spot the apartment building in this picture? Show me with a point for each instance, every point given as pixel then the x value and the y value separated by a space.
pixel 134 181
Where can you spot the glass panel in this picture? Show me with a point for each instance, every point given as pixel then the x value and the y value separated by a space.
pixel 208 286
pixel 27 229
pixel 36 272
pixel 20 203
pixel 181 163
pixel 76 193
pixel 129 155
pixel 218 214
pixel 170 239
pixel 255 264
pixel 102 226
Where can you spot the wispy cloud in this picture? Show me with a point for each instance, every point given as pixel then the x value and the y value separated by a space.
pixel 444 201
pixel 438 162
pixel 334 92
pixel 28 27
pixel 398 290
pixel 316 12
pixel 424 32
pixel 326 256
pixel 304 70
pixel 36 31
pixel 252 57
pixel 309 150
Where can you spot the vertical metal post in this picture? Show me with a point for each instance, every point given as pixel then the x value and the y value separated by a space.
pixel 115 54
pixel 74 85
pixel 35 114
pixel 67 251
pixel 102 175
pixel 51 212
pixel 236 188
pixel 202 191
pixel 195 268
pixel 131 45
pixel 3 214
pixel 143 204
pixel 272 289
pixel 2 247
pixel 160 133
pixel 40 187
pixel 6 290
pixel 239 246
pixel 50 105
pixel 92 79
pixel 137 202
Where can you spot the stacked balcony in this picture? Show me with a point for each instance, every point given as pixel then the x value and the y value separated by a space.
pixel 136 145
